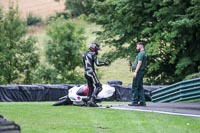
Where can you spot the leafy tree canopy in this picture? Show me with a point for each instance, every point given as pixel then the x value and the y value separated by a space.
pixel 78 7
pixel 18 56
pixel 64 51
pixel 170 29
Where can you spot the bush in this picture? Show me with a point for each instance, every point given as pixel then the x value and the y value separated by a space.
pixel 78 7
pixel 32 20
pixel 64 15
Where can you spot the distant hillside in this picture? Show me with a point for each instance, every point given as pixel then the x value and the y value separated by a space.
pixel 42 8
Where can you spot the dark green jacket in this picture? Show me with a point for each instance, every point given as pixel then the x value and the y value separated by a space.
pixel 140 57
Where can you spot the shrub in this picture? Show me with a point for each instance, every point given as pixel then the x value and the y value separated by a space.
pixel 64 15
pixel 32 20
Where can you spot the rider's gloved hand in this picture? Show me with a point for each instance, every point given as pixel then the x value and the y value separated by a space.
pixel 106 63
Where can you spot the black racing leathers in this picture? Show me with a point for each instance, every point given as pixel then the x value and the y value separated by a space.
pixel 89 59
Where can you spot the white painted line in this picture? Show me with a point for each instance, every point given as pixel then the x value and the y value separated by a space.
pixel 154 111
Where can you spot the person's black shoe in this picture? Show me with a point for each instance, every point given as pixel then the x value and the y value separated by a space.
pixel 133 104
pixel 142 104
pixel 92 104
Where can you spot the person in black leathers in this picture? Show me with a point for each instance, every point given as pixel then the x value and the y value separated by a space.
pixel 89 59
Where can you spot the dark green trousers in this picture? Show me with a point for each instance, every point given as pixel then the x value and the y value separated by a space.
pixel 137 89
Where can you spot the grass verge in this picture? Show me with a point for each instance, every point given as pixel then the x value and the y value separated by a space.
pixel 41 117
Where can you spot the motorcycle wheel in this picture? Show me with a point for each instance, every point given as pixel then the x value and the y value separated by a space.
pixel 65 101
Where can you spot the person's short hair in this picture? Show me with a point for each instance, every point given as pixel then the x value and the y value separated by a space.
pixel 141 43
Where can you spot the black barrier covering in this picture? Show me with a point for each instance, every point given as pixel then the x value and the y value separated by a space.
pixel 9 93
pixel 115 82
pixel 17 93
pixel 32 93
pixel 54 92
pixel 124 93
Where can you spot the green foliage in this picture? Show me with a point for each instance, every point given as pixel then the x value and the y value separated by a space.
pixel 78 7
pixel 183 64
pixel 18 56
pixel 64 15
pixel 64 52
pixel 32 20
pixel 169 28
pixel 1 13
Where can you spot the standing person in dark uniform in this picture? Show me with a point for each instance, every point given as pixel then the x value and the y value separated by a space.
pixel 139 70
pixel 89 59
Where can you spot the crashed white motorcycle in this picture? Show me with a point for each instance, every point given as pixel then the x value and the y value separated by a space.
pixel 79 95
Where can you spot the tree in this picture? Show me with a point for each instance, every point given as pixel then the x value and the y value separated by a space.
pixel 170 29
pixel 18 56
pixel 64 51
pixel 78 7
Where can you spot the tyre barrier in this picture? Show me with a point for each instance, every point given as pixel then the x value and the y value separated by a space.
pixel 7 126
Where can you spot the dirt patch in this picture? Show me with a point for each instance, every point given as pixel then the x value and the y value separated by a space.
pixel 101 127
